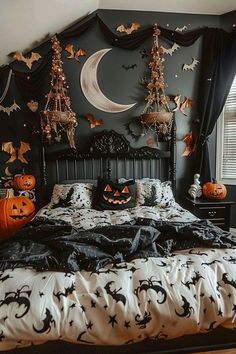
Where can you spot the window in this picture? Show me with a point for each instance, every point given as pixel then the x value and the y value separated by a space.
pixel 226 140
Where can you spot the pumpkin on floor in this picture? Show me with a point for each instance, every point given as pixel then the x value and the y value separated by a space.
pixel 214 190
pixel 15 212
pixel 24 182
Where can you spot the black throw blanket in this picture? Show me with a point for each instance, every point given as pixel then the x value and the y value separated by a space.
pixel 55 245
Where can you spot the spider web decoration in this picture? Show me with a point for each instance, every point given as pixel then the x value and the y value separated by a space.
pixel 156 115
pixel 58 116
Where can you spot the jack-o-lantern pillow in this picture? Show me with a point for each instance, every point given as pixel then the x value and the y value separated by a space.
pixel 113 195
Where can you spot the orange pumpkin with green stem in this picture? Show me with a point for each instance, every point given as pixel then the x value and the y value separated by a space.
pixel 214 190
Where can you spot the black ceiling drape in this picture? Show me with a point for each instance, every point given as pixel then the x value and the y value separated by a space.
pixel 218 68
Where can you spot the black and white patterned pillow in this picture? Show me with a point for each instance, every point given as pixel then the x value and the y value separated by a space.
pixel 77 195
pixel 151 192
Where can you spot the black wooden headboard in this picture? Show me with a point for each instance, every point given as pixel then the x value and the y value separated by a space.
pixel 111 155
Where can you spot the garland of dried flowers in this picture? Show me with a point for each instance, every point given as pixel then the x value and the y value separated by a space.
pixel 156 115
pixel 57 116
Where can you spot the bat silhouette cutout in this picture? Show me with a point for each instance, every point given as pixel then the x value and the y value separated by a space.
pixel 68 291
pixel 142 323
pixel 128 67
pixel 187 309
pixel 93 122
pixel 114 293
pixel 227 281
pixel 75 54
pixel 128 30
pixel 16 153
pixel 150 284
pixel 191 66
pixel 2 279
pixel 106 271
pixel 181 29
pixel 210 263
pixel 194 280
pixel 211 326
pixel 8 110
pixel 27 60
pixel 143 53
pixel 16 297
pixel 199 253
pixel 79 338
pixel 171 50
pixel 2 336
pixel 231 260
pixel 63 203
pixel 48 321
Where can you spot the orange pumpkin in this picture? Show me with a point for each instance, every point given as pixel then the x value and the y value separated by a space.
pixel 24 182
pixel 214 190
pixel 15 212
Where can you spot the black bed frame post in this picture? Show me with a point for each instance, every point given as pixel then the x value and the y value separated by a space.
pixel 108 168
pixel 173 157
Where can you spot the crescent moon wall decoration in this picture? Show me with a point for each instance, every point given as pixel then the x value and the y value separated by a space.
pixel 91 89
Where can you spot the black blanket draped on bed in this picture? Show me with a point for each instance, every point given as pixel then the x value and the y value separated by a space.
pixel 54 245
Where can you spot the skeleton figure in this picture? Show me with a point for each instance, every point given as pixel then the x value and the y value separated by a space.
pixel 195 190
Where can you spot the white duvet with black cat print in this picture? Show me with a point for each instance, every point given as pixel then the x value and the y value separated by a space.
pixel 90 218
pixel 189 292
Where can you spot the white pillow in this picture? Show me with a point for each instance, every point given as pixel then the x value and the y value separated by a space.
pixel 77 195
pixel 151 192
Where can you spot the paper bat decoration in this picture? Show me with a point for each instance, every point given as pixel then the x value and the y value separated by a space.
pixel 171 50
pixel 128 30
pixel 28 61
pixel 75 54
pixel 180 106
pixel 10 109
pixel 16 153
pixel 33 105
pixel 191 66
pixel 128 67
pixel 151 142
pixel 181 29
pixel 143 53
pixel 93 122
pixel 190 144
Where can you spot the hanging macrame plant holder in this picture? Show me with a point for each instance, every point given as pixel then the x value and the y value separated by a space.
pixel 57 116
pixel 156 115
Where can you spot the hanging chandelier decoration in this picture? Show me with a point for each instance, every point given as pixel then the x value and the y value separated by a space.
pixel 156 115
pixel 57 116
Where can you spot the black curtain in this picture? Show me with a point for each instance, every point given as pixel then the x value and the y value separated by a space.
pixel 218 68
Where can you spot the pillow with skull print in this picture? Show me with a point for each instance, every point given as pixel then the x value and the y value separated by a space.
pixel 151 192
pixel 112 195
pixel 77 195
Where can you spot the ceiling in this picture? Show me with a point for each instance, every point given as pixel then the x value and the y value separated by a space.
pixel 211 7
pixel 22 22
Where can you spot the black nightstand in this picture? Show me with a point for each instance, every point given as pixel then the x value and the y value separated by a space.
pixel 218 212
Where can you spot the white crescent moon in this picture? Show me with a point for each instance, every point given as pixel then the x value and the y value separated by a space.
pixel 7 172
pixel 91 89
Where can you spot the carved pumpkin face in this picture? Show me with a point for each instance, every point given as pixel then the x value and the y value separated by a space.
pixel 15 212
pixel 118 195
pixel 114 195
pixel 24 182
pixel 214 190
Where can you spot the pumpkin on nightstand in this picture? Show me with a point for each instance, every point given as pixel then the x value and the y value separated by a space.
pixel 214 190
pixel 15 212
pixel 24 182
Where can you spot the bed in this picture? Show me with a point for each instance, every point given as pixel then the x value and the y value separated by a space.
pixel 140 276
